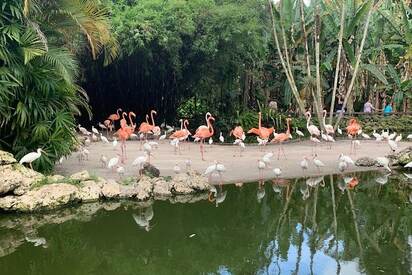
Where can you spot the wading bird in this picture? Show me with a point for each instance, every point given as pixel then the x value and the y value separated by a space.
pixel 282 137
pixel 30 157
pixel 262 132
pixel 304 164
pixel 314 131
pixel 114 117
pixel 318 163
pixel 353 129
pixel 145 127
pixel 204 132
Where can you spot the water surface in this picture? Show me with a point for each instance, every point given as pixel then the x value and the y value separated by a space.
pixel 286 227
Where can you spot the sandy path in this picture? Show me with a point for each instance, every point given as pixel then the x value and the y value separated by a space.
pixel 239 169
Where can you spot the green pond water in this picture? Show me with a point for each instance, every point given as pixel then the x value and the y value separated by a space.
pixel 286 227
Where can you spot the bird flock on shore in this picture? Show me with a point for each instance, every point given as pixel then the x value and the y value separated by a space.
pixel 150 135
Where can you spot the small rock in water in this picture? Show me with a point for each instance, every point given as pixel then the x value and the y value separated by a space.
pixel 192 235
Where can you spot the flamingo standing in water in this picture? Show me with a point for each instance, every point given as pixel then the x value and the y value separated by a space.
pixel 312 129
pixel 146 127
pixel 353 129
pixel 280 138
pixel 262 132
pixel 204 132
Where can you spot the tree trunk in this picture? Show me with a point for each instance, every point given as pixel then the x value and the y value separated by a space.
pixel 287 70
pixel 335 83
pixel 358 58
pixel 318 98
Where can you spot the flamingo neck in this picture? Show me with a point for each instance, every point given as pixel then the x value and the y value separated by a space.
pixel 288 127
pixel 209 125
pixel 324 117
pixel 260 120
pixel 118 111
pixel 185 123
pixel 181 124
pixel 308 120
pixel 147 119
pixel 151 115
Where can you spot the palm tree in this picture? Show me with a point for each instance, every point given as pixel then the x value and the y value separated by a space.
pixel 38 90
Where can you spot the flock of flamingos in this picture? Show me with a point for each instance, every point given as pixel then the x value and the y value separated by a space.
pixel 128 130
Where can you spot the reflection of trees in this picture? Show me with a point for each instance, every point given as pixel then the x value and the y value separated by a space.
pixel 369 223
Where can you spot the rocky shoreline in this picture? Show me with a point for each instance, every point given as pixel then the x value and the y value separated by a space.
pixel 24 190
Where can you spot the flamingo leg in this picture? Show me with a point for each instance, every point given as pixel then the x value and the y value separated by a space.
pixel 283 151
pixel 201 149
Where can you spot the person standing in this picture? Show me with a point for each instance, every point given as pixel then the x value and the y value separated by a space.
pixel 388 109
pixel 368 107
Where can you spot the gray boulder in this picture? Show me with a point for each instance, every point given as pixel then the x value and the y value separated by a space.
pixel 365 162
pixel 150 170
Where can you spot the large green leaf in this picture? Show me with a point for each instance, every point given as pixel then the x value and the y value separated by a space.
pixel 360 14
pixel 376 72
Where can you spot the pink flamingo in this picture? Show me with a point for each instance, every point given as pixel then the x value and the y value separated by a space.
pixel 262 132
pixel 204 132
pixel 116 116
pixel 282 137
pixel 146 127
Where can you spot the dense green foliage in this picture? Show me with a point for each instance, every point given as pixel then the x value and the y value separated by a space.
pixel 220 56
pixel 38 73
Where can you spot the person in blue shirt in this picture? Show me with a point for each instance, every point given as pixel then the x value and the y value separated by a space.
pixel 388 109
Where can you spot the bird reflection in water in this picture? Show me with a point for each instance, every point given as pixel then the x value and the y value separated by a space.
pixel 261 191
pixel 144 218
pixel 37 241
pixel 313 182
pixel 217 197
pixel 382 180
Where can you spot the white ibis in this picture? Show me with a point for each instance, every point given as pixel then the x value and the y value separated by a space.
pixel 398 138
pixel 221 138
pixel 104 139
pixel 30 157
pixel 102 126
pixel 384 161
pixel 94 130
pixel 83 130
pixel 408 165
pixel 103 160
pixel 393 145
pixel 304 164
pixel 339 130
pixel 318 163
pixel 114 143
pixel 298 132
pixel 346 159
pixel 113 162
pixel 162 137
pixel 277 172
pixel 409 136
pixel 392 136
